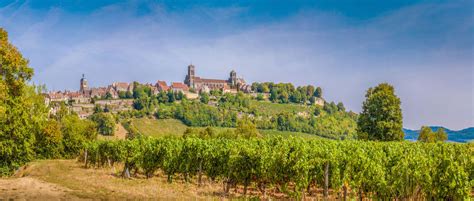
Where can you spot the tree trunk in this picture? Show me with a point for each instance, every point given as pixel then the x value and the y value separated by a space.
pixel 344 189
pixel 126 172
pixel 308 189
pixel 200 174
pixel 85 158
pixel 227 186
pixel 170 178
pixel 326 180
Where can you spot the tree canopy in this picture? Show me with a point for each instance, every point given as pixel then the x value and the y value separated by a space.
pixel 381 117
pixel 427 135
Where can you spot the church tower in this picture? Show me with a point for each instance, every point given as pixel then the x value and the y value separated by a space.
pixel 84 86
pixel 190 77
pixel 233 78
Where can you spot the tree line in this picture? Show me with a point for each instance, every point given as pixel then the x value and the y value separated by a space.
pixel 287 92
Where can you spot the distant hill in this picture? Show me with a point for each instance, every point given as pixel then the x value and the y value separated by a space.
pixel 463 135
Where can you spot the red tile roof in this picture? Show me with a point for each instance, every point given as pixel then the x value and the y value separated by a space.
pixel 179 85
pixel 162 85
pixel 121 85
pixel 198 79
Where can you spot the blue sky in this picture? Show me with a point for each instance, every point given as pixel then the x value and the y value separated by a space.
pixel 423 48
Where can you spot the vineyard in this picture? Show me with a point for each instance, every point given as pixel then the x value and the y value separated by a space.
pixel 299 167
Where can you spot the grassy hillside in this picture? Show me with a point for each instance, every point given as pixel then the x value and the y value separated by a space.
pixel 158 128
pixel 167 127
pixel 266 107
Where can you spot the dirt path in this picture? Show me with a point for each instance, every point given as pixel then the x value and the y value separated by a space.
pixel 27 188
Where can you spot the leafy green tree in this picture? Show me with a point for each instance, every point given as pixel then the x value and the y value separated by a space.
pixel 106 108
pixel 312 100
pixel 76 133
pixel 171 96
pixel 49 140
pixel 108 96
pixel 381 117
pixel 318 92
pixel 246 128
pixel 340 107
pixel 105 123
pixel 122 94
pixel 128 94
pixel 310 90
pixel 216 93
pixel 441 135
pixel 22 110
pixel 427 135
pixel 260 97
pixel 283 98
pixel 162 97
pixel 204 98
pixel 207 133
pixel 140 91
pixel 63 111
pixel 273 95
pixel 140 104
pixel 330 108
pixel 179 95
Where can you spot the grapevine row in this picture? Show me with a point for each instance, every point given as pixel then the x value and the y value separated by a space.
pixel 403 170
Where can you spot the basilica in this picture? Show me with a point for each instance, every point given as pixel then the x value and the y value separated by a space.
pixel 205 84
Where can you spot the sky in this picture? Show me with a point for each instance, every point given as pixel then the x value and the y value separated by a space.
pixel 423 48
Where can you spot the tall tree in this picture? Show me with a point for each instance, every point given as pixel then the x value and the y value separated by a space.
pixel 246 128
pixel 425 134
pixel 381 117
pixel 22 110
pixel 340 107
pixel 105 123
pixel 318 92
pixel 441 135
pixel 204 98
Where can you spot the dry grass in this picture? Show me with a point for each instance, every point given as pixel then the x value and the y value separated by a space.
pixel 68 180
pixel 103 184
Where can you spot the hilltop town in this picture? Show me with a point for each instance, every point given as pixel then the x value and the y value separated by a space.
pixel 118 96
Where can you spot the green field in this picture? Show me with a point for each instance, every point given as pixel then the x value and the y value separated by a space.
pixel 160 127
pixel 173 127
pixel 270 108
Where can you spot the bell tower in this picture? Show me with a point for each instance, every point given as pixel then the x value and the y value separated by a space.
pixel 83 86
pixel 190 77
pixel 233 78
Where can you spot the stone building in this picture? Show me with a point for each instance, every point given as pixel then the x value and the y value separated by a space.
pixel 179 87
pixel 122 86
pixel 161 86
pixel 198 83
pixel 84 86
